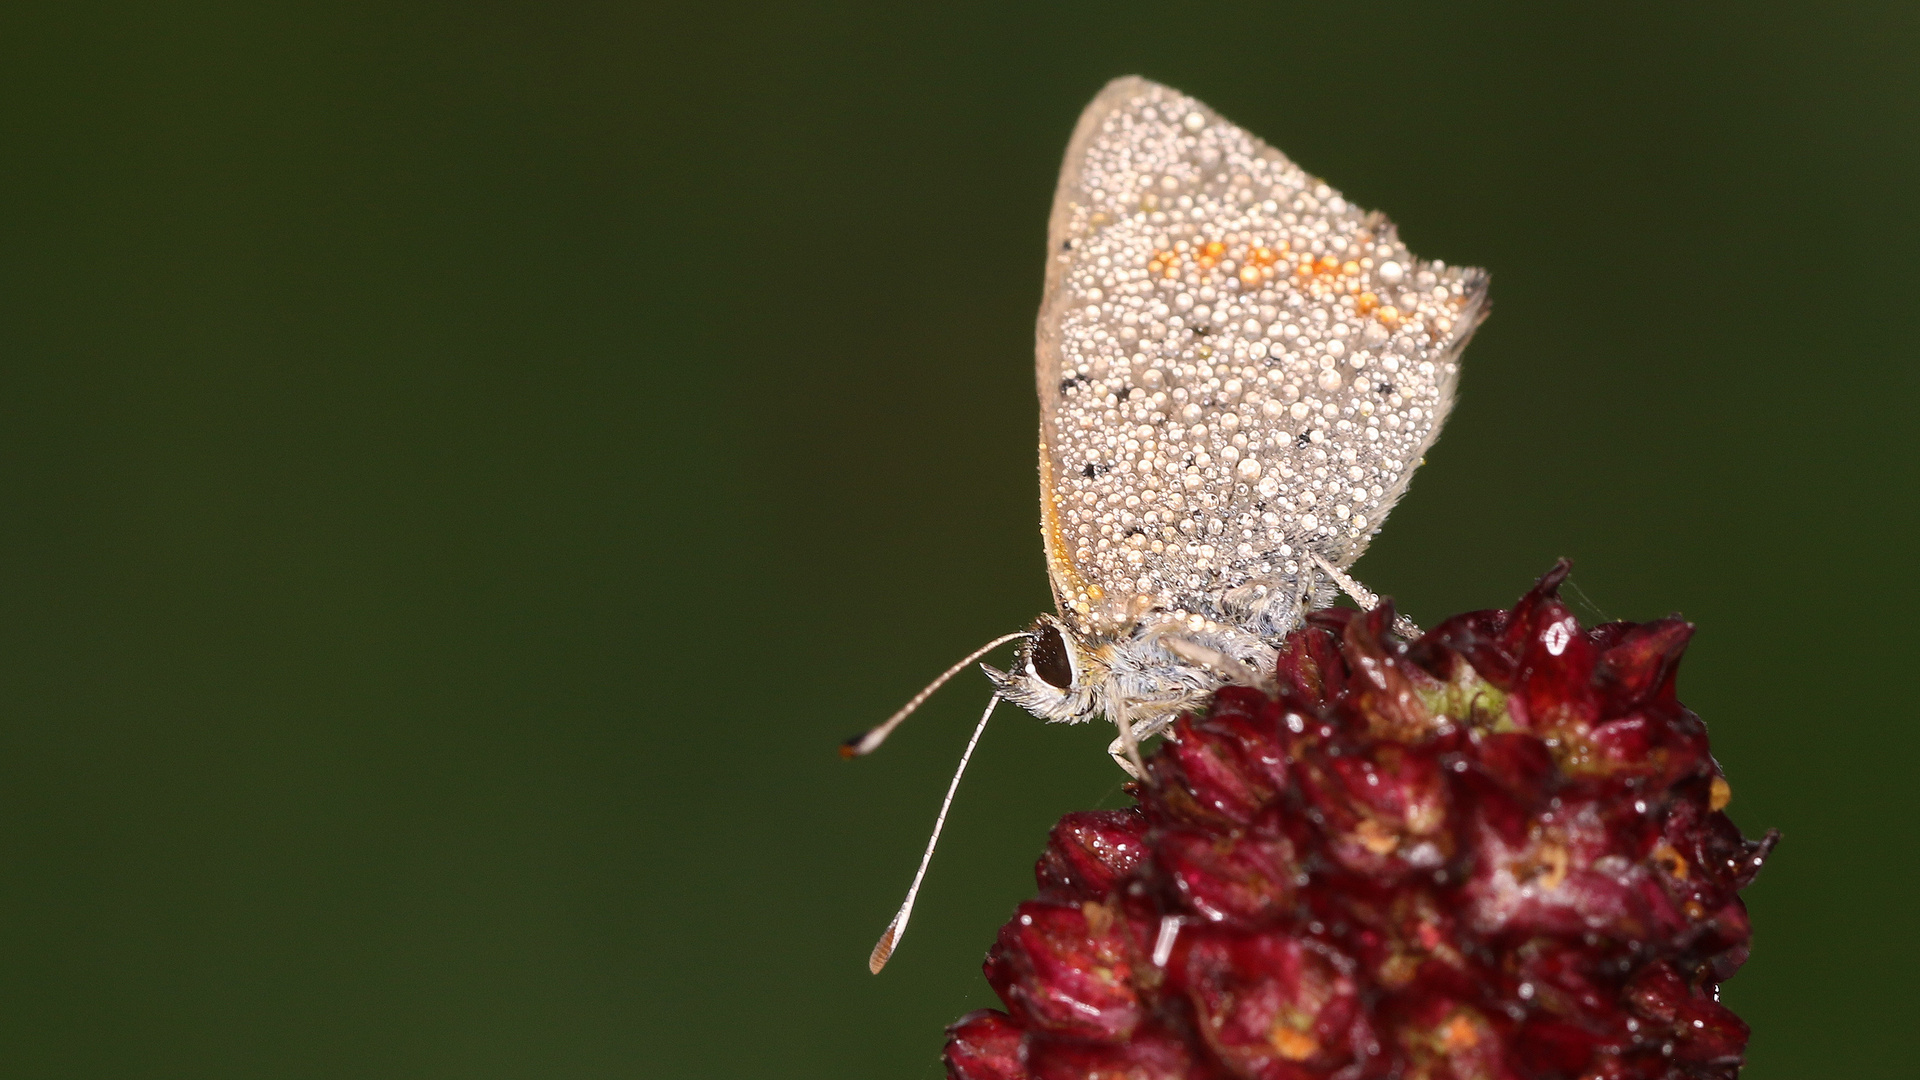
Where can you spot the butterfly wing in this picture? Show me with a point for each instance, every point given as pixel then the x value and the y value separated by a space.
pixel 1236 366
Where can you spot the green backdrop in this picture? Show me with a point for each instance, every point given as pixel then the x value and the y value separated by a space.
pixel 465 466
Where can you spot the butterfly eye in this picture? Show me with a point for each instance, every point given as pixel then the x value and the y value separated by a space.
pixel 1048 658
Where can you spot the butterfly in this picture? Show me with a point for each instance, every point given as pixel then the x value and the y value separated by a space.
pixel 1238 373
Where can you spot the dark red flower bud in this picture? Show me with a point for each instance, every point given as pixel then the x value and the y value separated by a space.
pixel 1639 661
pixel 1065 969
pixel 1088 852
pixel 986 1045
pixel 1239 879
pixel 1273 1004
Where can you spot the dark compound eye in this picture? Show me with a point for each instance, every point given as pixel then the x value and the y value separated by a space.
pixel 1048 657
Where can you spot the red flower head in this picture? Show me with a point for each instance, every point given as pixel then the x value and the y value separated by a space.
pixel 1495 852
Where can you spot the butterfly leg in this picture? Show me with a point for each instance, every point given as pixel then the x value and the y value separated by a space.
pixel 1126 749
pixel 1362 595
pixel 1145 729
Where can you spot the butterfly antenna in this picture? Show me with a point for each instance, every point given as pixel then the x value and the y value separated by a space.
pixel 883 949
pixel 868 741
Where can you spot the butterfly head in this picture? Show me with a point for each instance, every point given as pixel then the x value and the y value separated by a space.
pixel 1055 674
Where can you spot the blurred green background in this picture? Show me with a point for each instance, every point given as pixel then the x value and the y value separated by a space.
pixel 465 467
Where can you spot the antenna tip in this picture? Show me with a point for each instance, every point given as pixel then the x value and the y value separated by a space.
pixel 882 950
pixel 852 748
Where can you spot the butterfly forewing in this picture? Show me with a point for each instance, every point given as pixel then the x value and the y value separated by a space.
pixel 1236 366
